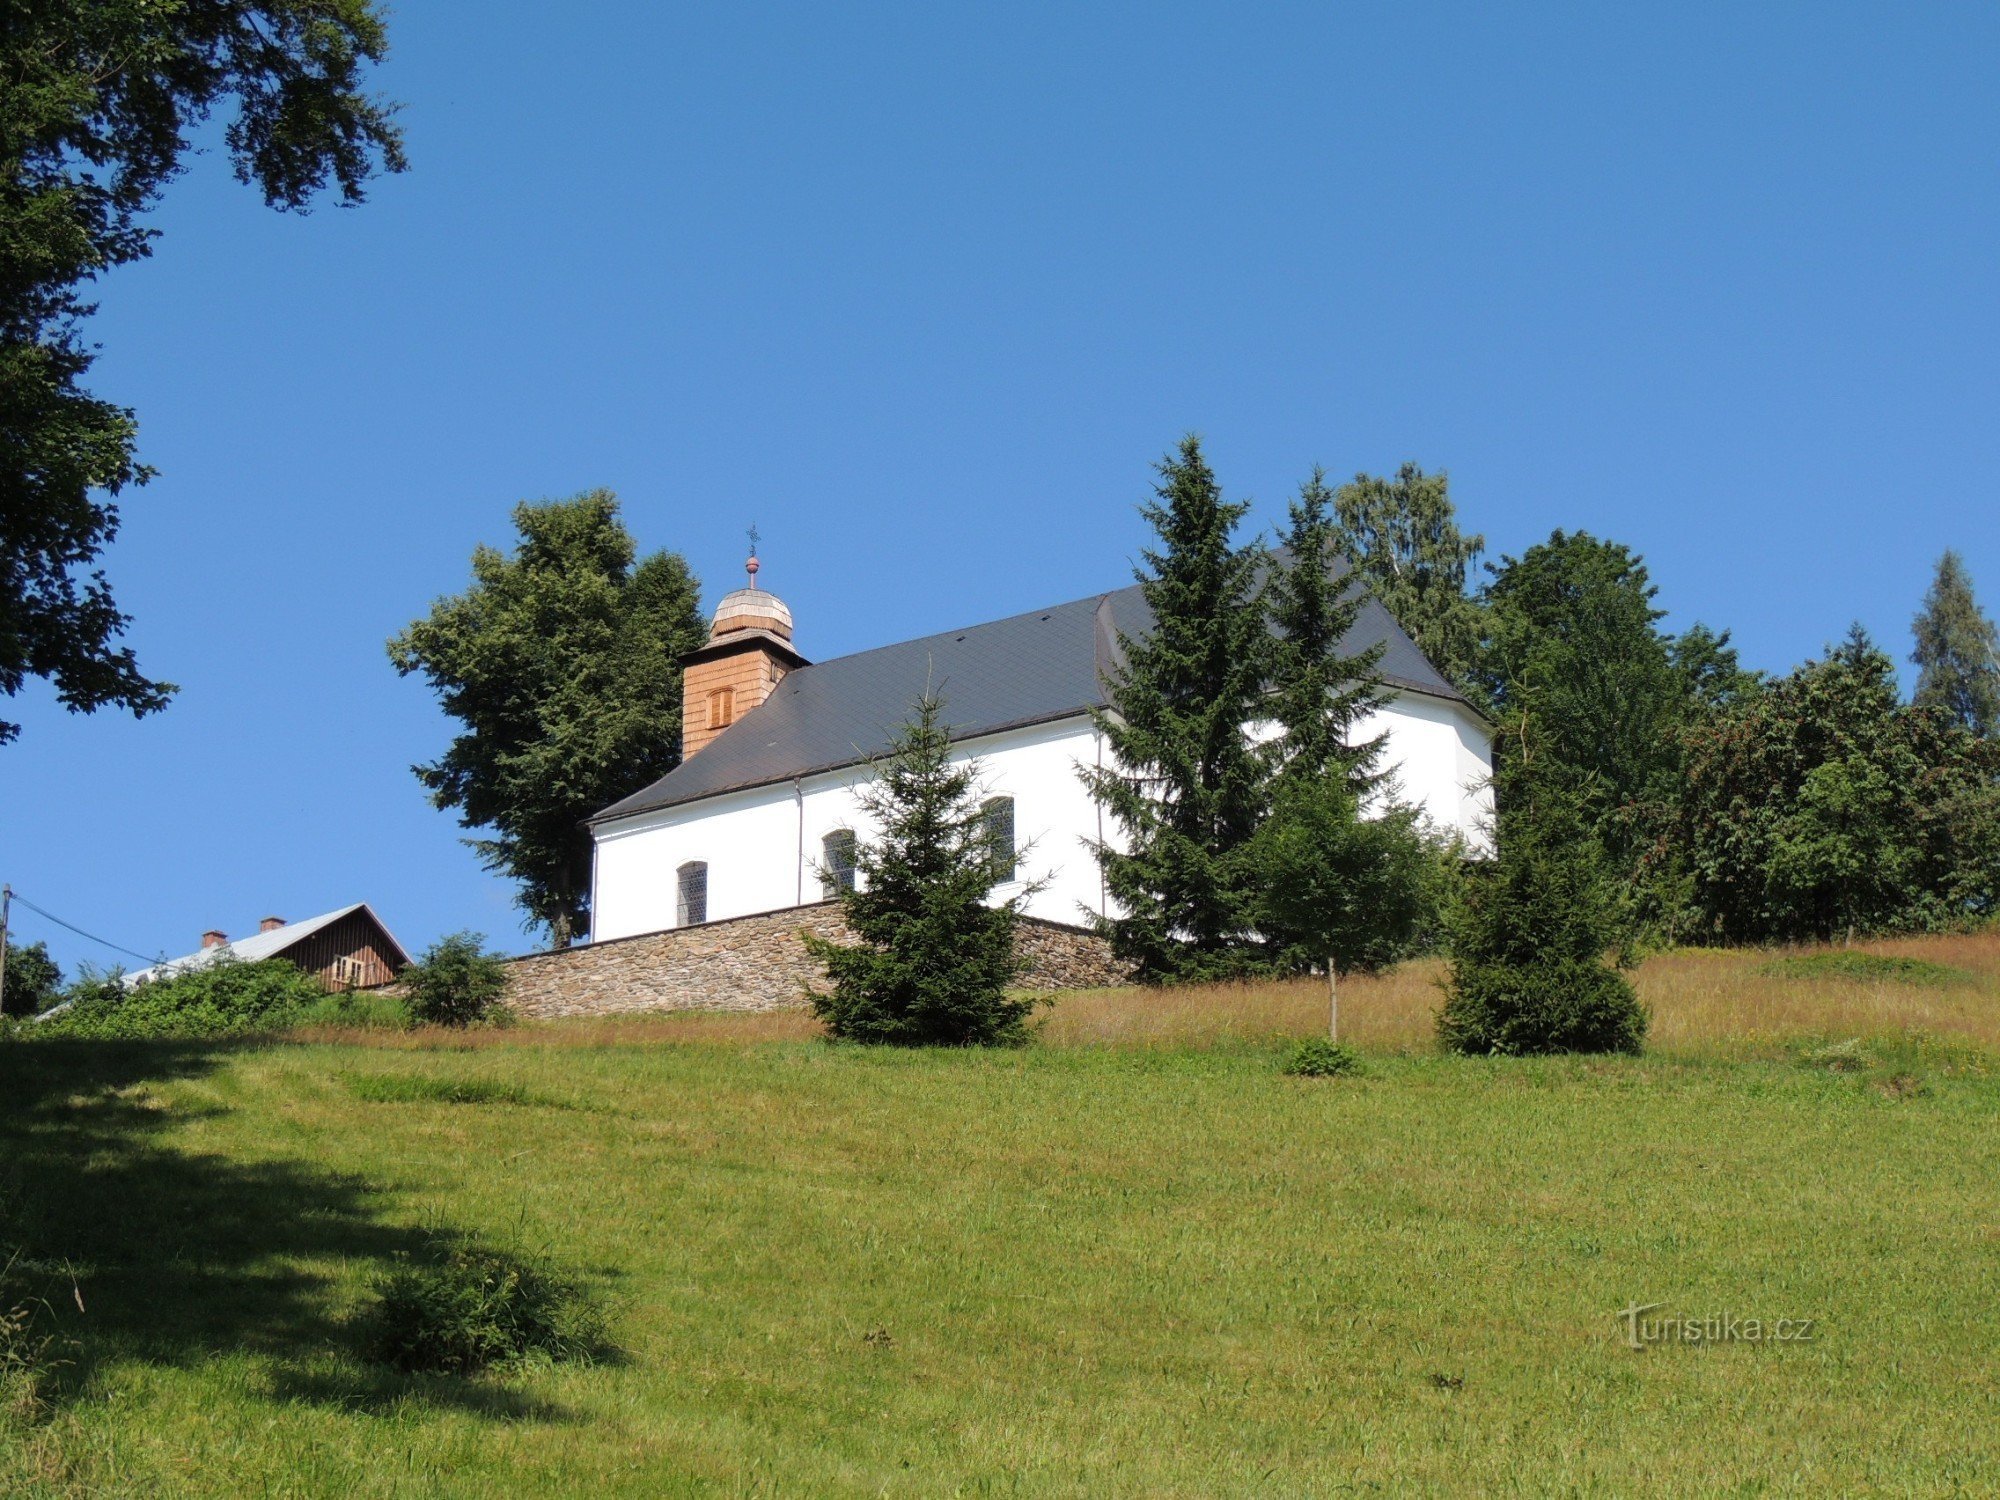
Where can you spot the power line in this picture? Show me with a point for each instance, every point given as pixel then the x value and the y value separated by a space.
pixel 105 942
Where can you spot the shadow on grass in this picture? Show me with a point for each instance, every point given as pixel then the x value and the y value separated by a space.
pixel 132 1249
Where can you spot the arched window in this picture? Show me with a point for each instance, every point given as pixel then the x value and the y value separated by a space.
pixel 837 861
pixel 691 905
pixel 997 814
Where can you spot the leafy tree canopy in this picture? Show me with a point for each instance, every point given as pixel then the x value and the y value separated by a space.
pixel 33 980
pixel 1822 806
pixel 562 664
pixel 1958 651
pixel 934 960
pixel 99 101
pixel 1402 535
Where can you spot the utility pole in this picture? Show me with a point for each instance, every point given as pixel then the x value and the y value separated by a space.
pixel 6 901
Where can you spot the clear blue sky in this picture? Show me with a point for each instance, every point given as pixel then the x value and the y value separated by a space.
pixel 923 289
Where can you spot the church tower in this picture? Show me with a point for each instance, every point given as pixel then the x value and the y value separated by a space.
pixel 749 651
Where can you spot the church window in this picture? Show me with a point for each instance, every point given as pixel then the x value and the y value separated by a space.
pixel 691 907
pixel 837 866
pixel 998 817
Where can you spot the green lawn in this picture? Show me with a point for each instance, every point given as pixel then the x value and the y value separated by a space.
pixel 1073 1270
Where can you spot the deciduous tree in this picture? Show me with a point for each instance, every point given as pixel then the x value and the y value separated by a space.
pixel 1402 536
pixel 1822 806
pixel 562 662
pixel 98 102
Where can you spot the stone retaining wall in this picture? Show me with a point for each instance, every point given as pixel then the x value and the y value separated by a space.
pixel 751 963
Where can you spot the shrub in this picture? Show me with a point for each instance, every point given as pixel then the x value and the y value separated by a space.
pixel 1558 1006
pixel 465 1308
pixel 456 983
pixel 1320 1058
pixel 358 1008
pixel 224 998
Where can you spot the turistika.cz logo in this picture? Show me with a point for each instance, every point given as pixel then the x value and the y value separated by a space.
pixel 1642 1332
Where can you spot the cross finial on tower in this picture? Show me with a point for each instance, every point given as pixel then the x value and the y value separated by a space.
pixel 750 567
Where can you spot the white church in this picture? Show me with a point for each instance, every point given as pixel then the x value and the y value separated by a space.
pixel 761 814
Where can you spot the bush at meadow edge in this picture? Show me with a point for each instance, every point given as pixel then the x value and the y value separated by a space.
pixel 226 998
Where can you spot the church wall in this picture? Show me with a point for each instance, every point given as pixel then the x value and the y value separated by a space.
pixel 763 846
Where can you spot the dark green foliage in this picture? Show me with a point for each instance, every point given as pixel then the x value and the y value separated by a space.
pixel 933 962
pixel 1319 1058
pixel 1402 536
pixel 1958 650
pixel 1573 650
pixel 1822 807
pixel 98 102
pixel 464 1308
pixel 1319 694
pixel 1528 970
pixel 33 980
pixel 1868 968
pixel 456 982
pixel 224 998
pixel 562 661
pixel 1336 888
pixel 1543 1007
pixel 1339 888
pixel 1186 788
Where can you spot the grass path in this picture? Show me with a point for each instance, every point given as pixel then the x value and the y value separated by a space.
pixel 1070 1270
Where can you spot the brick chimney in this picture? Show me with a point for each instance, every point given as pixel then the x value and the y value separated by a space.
pixel 213 939
pixel 270 924
pixel 749 651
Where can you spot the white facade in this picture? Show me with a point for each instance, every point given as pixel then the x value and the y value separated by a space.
pixel 763 847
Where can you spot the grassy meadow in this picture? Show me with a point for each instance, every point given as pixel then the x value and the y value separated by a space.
pixel 1130 1259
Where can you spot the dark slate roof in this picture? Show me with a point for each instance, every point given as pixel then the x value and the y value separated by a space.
pixel 1028 669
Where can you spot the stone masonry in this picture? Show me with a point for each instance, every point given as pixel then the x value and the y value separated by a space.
pixel 752 963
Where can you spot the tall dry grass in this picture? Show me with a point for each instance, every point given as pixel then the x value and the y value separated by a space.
pixel 1700 999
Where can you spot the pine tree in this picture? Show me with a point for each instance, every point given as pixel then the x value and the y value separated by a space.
pixel 1186 788
pixel 1958 651
pixel 1403 538
pixel 934 962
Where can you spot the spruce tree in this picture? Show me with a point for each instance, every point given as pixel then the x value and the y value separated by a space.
pixel 1187 789
pixel 933 962
pixel 1342 882
pixel 1958 651
pixel 1528 968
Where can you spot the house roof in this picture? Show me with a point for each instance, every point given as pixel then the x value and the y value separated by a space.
pixel 261 945
pixel 1027 669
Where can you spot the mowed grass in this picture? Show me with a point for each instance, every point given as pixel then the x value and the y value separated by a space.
pixel 1131 1259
